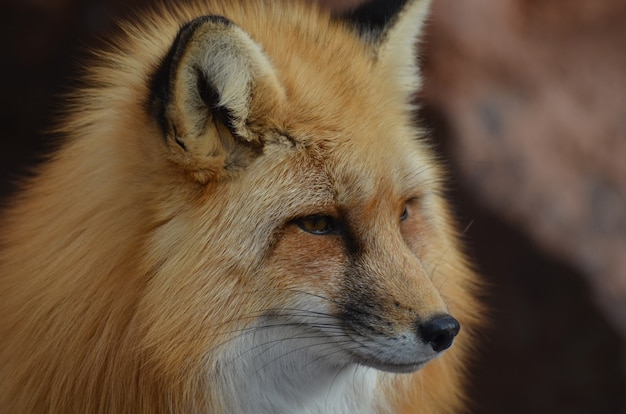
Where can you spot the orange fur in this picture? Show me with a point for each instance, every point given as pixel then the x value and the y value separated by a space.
pixel 128 265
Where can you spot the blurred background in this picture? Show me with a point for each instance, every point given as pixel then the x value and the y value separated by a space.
pixel 526 102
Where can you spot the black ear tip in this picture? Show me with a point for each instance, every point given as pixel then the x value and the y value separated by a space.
pixel 375 15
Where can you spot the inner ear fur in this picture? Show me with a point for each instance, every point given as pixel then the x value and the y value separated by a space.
pixel 204 93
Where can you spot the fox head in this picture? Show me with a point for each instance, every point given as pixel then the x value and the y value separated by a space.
pixel 314 220
pixel 266 219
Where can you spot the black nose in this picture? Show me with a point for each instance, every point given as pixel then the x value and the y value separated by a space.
pixel 439 331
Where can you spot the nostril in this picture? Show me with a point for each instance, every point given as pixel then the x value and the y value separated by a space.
pixel 439 332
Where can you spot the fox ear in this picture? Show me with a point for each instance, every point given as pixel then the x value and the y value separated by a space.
pixel 214 83
pixel 392 27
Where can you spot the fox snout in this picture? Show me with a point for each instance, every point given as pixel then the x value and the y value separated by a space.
pixel 391 335
pixel 380 343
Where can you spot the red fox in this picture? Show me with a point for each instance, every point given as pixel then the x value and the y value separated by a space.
pixel 242 218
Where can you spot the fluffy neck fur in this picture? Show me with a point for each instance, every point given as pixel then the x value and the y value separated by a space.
pixel 285 370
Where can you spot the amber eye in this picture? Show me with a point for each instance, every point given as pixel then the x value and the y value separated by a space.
pixel 318 224
pixel 405 213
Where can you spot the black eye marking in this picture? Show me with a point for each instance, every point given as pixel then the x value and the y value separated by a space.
pixel 318 224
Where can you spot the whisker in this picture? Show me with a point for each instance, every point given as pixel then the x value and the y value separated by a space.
pixel 298 350
pixel 274 342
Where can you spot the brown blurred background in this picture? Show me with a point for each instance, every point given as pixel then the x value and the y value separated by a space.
pixel 526 101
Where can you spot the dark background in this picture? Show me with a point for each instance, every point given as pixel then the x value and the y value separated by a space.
pixel 555 343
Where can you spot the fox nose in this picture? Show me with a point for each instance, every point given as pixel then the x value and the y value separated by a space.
pixel 439 331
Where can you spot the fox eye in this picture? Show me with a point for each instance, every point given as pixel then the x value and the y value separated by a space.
pixel 405 213
pixel 318 224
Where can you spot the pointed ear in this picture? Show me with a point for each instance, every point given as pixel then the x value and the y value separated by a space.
pixel 392 27
pixel 213 84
